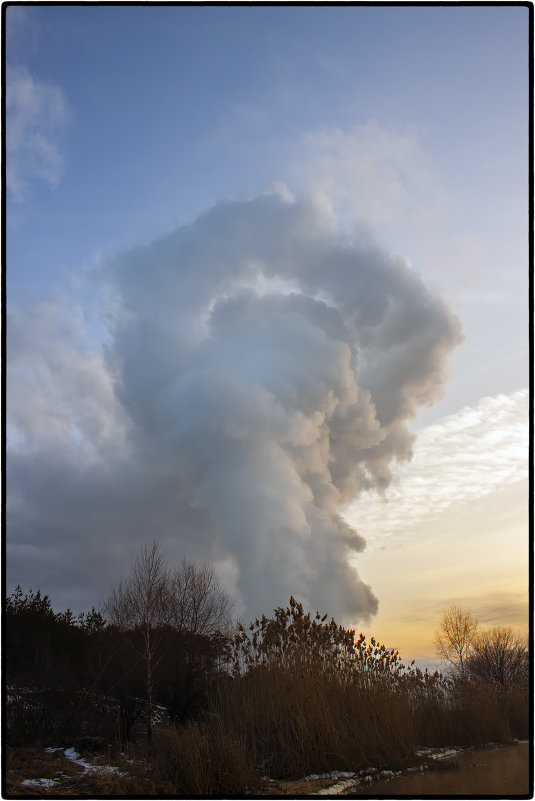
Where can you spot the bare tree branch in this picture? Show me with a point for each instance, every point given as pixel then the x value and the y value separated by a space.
pixel 455 634
pixel 499 656
pixel 152 600
pixel 198 602
pixel 141 602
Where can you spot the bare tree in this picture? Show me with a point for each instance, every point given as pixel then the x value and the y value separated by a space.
pixel 154 600
pixel 499 656
pixel 142 602
pixel 454 637
pixel 199 604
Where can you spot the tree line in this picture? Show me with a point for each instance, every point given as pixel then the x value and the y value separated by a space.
pixel 158 637
pixel 495 655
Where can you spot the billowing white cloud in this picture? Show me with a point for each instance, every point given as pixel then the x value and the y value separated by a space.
pixel 463 457
pixel 36 114
pixel 260 374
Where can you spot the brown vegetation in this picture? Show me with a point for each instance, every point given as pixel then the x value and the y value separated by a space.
pixel 290 695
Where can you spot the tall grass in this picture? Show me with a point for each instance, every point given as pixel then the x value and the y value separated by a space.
pixel 306 695
pixel 293 723
pixel 467 712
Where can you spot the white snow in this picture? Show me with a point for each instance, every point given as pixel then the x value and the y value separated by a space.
pixel 74 756
pixel 339 787
pixel 39 783
pixel 439 753
pixel 334 774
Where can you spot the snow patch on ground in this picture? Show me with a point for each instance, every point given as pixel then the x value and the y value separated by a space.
pixel 439 753
pixel 350 780
pixel 74 756
pixel 42 783
pixel 339 787
pixel 334 774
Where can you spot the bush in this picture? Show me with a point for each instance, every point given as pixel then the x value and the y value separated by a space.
pixel 499 657
pixel 36 716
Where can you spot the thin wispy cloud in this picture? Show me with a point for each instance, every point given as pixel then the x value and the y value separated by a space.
pixel 465 456
pixel 487 609
pixel 386 180
pixel 239 121
pixel 372 172
pixel 36 116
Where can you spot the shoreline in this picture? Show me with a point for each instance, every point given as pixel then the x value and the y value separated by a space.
pixel 364 782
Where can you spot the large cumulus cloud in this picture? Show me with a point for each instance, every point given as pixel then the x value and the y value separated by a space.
pixel 260 373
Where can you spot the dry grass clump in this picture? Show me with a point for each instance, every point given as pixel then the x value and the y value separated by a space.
pixel 109 785
pixel 192 762
pixel 515 707
pixel 468 712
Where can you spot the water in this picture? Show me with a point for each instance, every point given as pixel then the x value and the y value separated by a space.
pixel 495 771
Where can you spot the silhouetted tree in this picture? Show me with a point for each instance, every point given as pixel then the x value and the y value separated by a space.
pixel 92 622
pixel 198 603
pixel 142 602
pixel 455 634
pixel 47 663
pixel 163 606
pixel 500 657
pixel 41 643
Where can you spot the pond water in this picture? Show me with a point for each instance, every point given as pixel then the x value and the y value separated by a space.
pixel 490 771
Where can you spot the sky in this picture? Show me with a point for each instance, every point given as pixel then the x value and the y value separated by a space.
pixel 267 303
